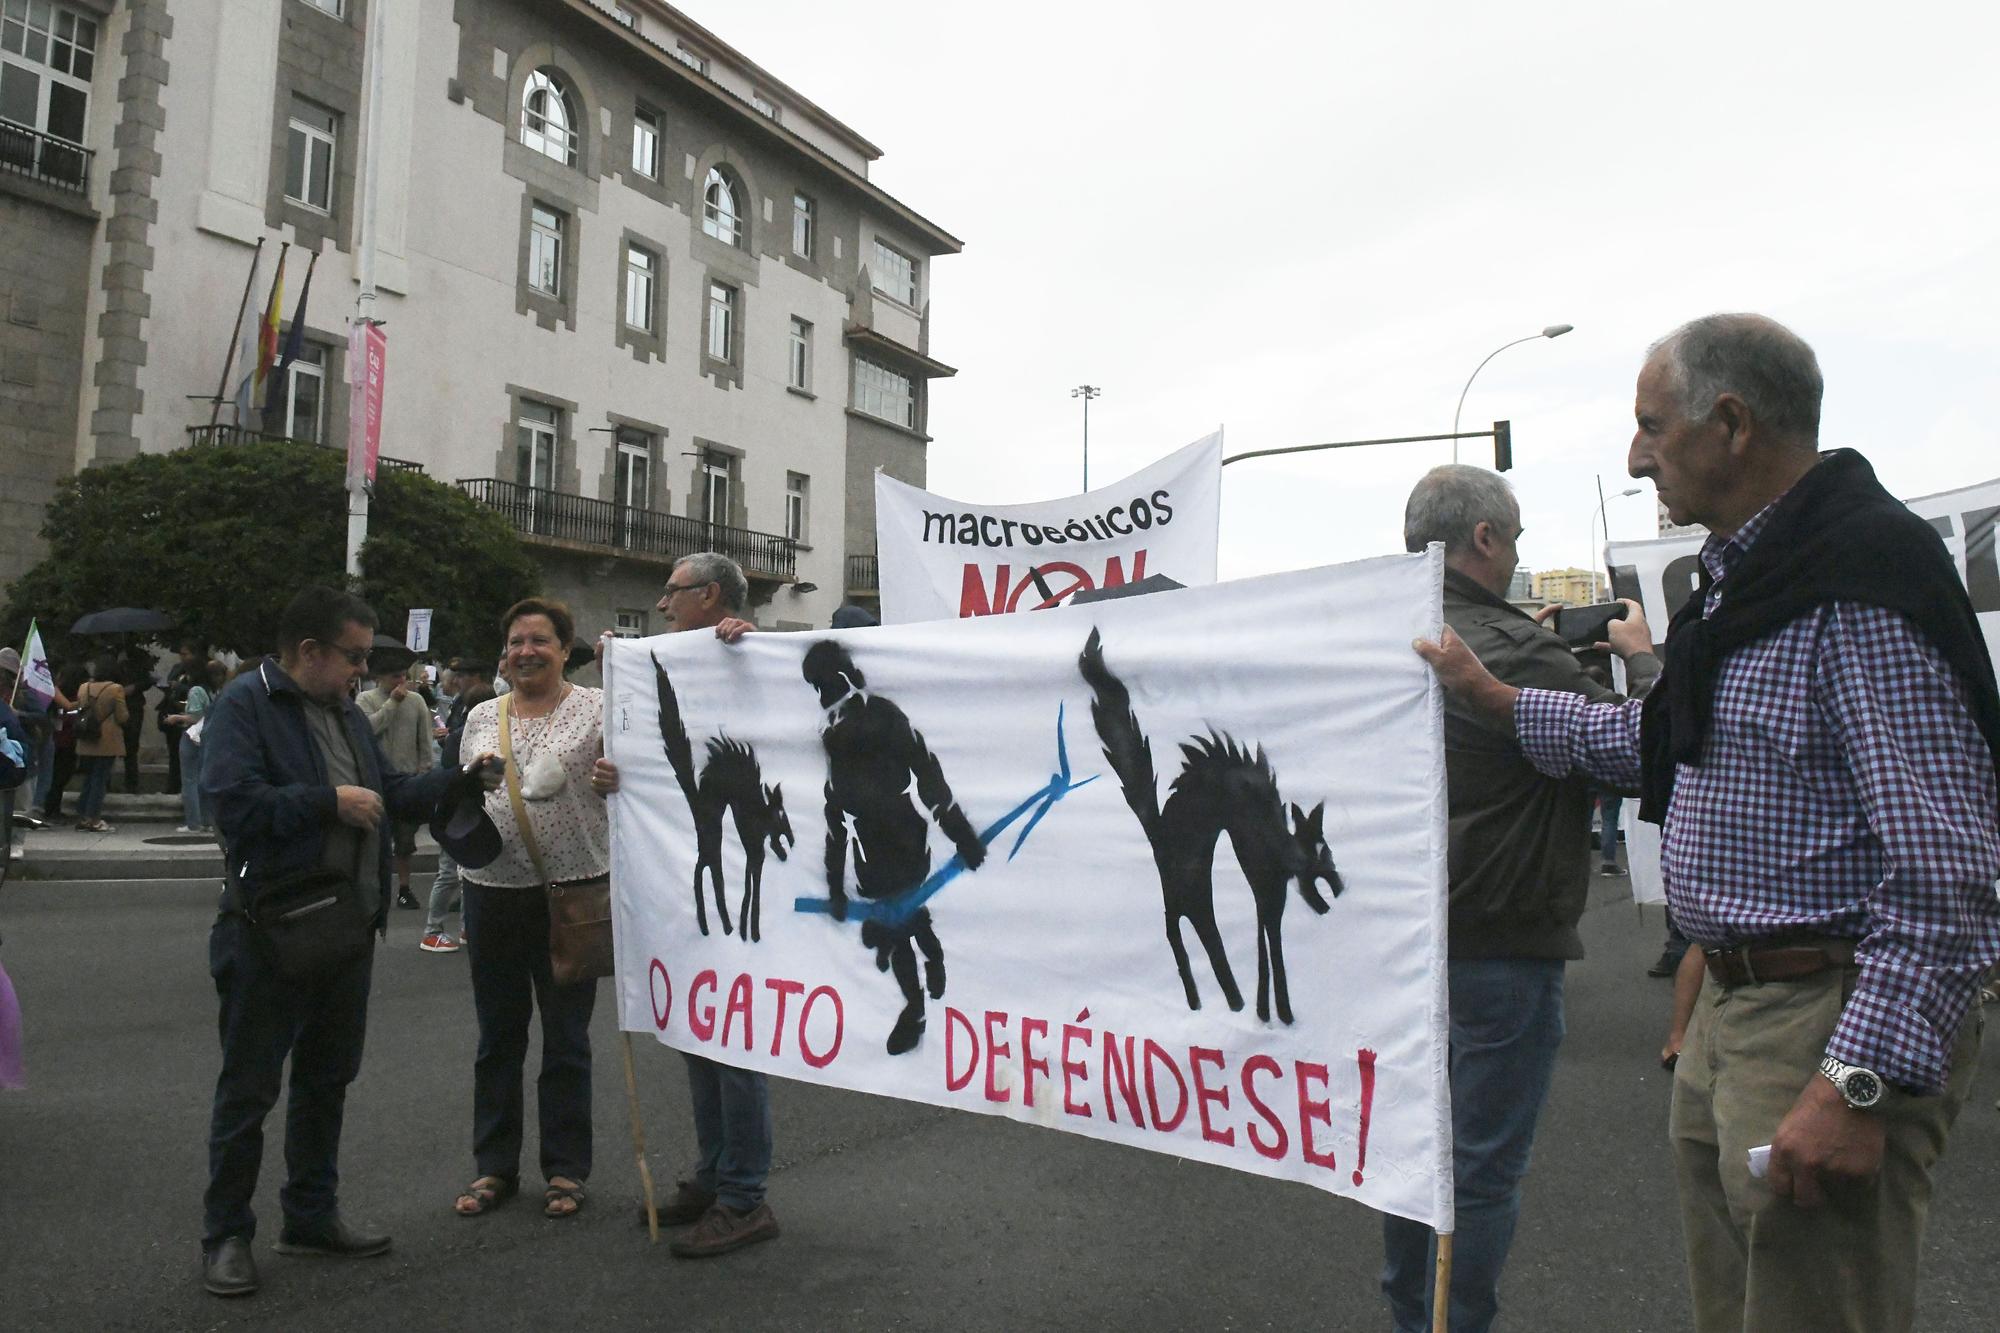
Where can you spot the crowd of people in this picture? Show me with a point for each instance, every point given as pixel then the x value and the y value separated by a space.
pixel 1819 745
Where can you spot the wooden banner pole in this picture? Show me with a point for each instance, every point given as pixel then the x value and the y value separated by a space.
pixel 639 1141
pixel 1441 1291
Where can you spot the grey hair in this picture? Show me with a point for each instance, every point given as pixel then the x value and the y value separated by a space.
pixel 1452 500
pixel 710 567
pixel 1754 357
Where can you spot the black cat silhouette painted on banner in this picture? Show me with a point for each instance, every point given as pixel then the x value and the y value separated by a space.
pixel 730 783
pixel 1222 788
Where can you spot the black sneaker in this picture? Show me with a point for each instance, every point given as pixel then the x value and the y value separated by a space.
pixel 722 1229
pixel 1668 964
pixel 404 898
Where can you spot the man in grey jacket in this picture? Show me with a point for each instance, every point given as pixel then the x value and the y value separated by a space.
pixel 1520 873
pixel 402 724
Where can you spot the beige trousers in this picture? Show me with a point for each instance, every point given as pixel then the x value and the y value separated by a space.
pixel 1761 1264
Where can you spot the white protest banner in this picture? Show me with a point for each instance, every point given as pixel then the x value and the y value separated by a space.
pixel 1661 575
pixel 941 559
pixel 1014 802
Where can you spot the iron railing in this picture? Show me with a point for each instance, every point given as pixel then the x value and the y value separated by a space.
pixel 614 527
pixel 863 575
pixel 43 157
pixel 223 433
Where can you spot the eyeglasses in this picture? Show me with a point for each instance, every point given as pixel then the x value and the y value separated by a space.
pixel 673 588
pixel 355 656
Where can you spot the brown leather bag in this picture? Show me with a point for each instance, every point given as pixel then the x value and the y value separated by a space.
pixel 580 945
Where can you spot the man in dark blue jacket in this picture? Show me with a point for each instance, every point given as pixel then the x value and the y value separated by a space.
pixel 297 783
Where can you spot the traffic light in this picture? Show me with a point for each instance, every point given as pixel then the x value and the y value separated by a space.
pixel 1503 446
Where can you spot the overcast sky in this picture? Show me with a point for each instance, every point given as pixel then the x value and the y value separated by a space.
pixel 1309 222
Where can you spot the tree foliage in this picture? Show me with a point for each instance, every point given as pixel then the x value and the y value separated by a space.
pixel 220 536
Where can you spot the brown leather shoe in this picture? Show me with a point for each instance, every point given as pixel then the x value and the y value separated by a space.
pixel 690 1201
pixel 722 1229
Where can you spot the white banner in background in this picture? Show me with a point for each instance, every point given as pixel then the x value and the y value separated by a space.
pixel 1000 793
pixel 943 559
pixel 1661 575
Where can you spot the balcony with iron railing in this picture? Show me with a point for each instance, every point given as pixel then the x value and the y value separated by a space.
pixel 578 522
pixel 227 434
pixel 45 158
pixel 863 575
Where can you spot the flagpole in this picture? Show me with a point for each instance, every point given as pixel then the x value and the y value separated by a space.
pixel 364 302
pixel 235 336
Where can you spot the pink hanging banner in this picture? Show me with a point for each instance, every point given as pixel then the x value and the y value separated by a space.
pixel 367 357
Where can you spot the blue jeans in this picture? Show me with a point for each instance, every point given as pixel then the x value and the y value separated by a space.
pixel 192 814
pixel 263 1020
pixel 96 777
pixel 732 1130
pixel 446 890
pixel 1506 1025
pixel 1609 803
pixel 507 940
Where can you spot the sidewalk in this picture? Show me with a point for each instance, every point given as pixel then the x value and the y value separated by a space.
pixel 137 850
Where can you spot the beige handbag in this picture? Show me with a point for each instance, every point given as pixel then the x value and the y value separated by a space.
pixel 579 912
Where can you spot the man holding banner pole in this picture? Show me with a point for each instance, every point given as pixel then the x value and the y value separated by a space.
pixel 1520 878
pixel 1821 755
pixel 732 1106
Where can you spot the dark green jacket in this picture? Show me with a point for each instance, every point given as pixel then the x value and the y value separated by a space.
pixel 1520 842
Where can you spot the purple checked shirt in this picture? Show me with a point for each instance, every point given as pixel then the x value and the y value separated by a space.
pixel 1843 790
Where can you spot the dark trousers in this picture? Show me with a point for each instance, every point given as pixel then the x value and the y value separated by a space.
pixel 61 771
pixel 263 1020
pixel 134 724
pixel 172 736
pixel 96 780
pixel 507 941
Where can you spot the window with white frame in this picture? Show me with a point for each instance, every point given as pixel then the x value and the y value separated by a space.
pixel 634 479
pixel 333 7
pixel 721 321
pixel 881 392
pixel 720 216
pixel 641 268
pixel 715 489
pixel 799 369
pixel 694 60
pixel 765 106
pixel 628 625
pixel 797 489
pixel 895 274
pixel 302 414
pixel 309 156
pixel 545 249
pixel 646 143
pixel 48 53
pixel 548 117
pixel 626 17
pixel 804 218
pixel 536 428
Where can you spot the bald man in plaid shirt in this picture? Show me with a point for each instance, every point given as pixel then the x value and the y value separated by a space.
pixel 1821 751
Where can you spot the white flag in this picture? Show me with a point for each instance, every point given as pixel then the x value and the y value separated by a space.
pixel 36 678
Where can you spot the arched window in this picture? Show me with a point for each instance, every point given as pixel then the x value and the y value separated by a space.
pixel 720 216
pixel 548 117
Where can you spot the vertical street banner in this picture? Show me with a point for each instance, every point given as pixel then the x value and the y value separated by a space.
pixel 367 362
pixel 944 559
pixel 1167 870
pixel 1661 575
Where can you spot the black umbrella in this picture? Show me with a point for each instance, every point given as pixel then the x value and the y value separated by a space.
pixel 122 620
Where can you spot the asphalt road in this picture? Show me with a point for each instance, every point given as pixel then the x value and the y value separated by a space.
pixel 895 1215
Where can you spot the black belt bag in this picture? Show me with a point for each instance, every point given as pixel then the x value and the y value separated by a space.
pixel 307 926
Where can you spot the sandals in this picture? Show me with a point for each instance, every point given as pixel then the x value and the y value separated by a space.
pixel 562 1201
pixel 485 1194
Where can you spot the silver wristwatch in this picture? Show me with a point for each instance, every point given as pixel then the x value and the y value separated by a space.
pixel 1859 1088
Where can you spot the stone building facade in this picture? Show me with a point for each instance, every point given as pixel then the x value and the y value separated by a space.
pixel 640 294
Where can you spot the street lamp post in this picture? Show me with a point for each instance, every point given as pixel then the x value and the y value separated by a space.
pixel 1601 518
pixel 1552 331
pixel 1086 392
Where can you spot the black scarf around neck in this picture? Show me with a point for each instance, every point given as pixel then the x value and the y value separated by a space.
pixel 1836 536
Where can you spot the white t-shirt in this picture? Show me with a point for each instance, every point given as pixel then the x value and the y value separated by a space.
pixel 571 827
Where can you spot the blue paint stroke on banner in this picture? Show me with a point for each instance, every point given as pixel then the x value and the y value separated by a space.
pixel 898 909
